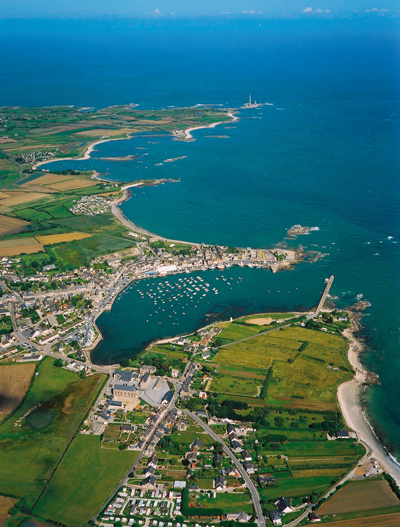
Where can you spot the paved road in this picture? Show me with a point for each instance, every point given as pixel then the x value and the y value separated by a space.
pixel 239 466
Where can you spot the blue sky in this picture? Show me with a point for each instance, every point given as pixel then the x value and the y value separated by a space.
pixel 157 8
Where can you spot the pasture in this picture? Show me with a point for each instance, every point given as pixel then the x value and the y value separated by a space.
pixel 233 332
pixel 14 382
pixel 301 359
pixel 57 211
pixel 84 468
pixel 259 351
pixel 33 215
pixel 235 386
pixel 306 380
pixel 34 438
pixel 360 496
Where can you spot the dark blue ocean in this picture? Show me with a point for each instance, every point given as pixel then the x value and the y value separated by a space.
pixel 324 153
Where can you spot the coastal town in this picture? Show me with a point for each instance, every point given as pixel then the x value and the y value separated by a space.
pixel 53 308
pixel 195 464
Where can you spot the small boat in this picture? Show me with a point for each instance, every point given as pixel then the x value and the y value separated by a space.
pixel 220 267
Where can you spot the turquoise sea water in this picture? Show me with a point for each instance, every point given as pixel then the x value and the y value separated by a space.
pixel 325 154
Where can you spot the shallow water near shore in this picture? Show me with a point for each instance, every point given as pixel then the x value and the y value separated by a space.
pixel 325 154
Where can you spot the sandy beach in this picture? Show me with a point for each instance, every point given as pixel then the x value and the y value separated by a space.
pixel 186 135
pixel 132 226
pixel 85 155
pixel 349 397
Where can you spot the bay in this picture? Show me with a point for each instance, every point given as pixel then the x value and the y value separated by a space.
pixel 324 154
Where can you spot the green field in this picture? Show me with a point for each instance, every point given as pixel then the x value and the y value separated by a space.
pixel 232 332
pixel 297 487
pixel 308 449
pixel 32 445
pixel 306 366
pixel 58 211
pixel 33 215
pixel 234 385
pixel 82 483
pixel 188 437
pixel 306 380
pixel 228 502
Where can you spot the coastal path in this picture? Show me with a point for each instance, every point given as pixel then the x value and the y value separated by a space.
pixel 250 485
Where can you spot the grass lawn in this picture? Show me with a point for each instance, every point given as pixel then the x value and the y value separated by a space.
pixel 205 483
pixel 235 386
pixel 228 502
pixel 297 487
pixel 82 483
pixel 188 437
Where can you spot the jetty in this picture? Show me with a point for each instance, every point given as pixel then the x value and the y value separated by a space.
pixel 328 286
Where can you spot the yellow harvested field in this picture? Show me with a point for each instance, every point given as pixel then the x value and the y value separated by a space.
pixel 18 246
pixel 51 239
pixel 73 184
pixel 11 225
pixel 260 321
pixel 49 179
pixel 102 132
pixel 20 198
pixel 60 183
pixel 383 520
pixel 14 382
pixel 360 496
pixel 5 140
pixel 3 195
